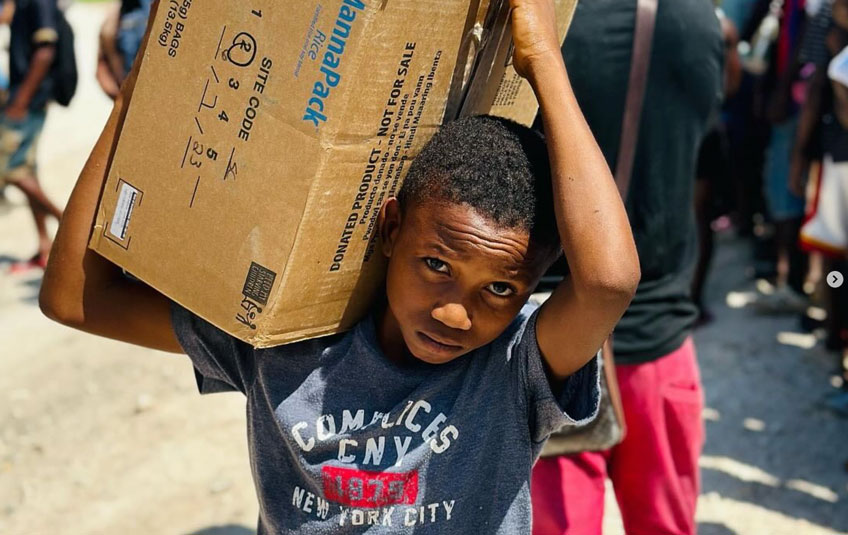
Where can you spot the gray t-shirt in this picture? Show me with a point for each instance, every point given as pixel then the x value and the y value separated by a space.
pixel 343 440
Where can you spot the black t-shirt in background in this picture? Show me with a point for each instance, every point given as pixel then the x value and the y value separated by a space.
pixel 34 24
pixel 129 5
pixel 684 88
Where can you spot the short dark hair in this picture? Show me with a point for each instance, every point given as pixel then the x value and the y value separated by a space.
pixel 496 166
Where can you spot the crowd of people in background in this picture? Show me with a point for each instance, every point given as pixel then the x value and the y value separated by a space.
pixel 773 167
pixel 744 130
pixel 764 163
pixel 758 147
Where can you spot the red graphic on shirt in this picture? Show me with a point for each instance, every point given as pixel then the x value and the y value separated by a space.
pixel 360 488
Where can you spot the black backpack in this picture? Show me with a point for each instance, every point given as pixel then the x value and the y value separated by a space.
pixel 65 65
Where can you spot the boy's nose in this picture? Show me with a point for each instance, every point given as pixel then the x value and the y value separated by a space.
pixel 453 315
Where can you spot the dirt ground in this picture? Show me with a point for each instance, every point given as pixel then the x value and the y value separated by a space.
pixel 97 437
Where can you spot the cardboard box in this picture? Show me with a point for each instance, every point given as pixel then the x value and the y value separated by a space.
pixel 262 138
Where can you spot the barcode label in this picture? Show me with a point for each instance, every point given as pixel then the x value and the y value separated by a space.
pixel 123 211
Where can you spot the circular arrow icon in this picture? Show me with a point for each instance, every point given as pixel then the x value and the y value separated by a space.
pixel 835 279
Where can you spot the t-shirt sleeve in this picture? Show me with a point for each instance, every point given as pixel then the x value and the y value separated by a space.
pixel 578 402
pixel 44 22
pixel 222 363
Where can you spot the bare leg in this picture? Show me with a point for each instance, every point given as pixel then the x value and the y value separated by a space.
pixel 37 197
pixel 41 207
pixel 44 241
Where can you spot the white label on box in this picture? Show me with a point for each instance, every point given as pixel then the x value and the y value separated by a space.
pixel 123 211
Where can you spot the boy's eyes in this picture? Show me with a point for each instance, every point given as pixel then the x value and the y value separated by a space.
pixel 500 289
pixel 436 265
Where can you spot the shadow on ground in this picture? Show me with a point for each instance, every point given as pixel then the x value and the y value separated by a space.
pixel 33 287
pixel 710 528
pixel 6 260
pixel 770 441
pixel 229 529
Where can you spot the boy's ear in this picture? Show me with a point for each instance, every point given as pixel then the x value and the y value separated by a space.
pixel 389 225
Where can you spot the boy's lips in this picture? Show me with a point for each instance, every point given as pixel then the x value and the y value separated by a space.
pixel 439 345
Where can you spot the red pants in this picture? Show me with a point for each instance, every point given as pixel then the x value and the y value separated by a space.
pixel 654 471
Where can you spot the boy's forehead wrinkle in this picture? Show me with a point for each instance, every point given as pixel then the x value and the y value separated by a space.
pixel 469 239
pixel 442 248
pixel 507 267
pixel 460 231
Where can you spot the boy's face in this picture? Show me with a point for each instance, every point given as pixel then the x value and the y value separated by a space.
pixel 455 279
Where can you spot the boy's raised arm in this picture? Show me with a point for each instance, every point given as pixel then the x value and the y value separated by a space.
pixel 85 291
pixel 591 218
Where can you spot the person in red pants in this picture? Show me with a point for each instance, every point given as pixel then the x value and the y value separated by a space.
pixel 655 469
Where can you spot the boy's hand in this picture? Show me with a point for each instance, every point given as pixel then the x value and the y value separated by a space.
pixel 534 34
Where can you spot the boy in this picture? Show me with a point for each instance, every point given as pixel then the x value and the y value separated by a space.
pixel 429 414
pixel 34 34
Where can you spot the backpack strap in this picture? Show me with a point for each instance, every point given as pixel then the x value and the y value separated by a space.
pixel 646 13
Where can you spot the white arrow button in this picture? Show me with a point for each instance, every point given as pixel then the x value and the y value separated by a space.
pixel 835 279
